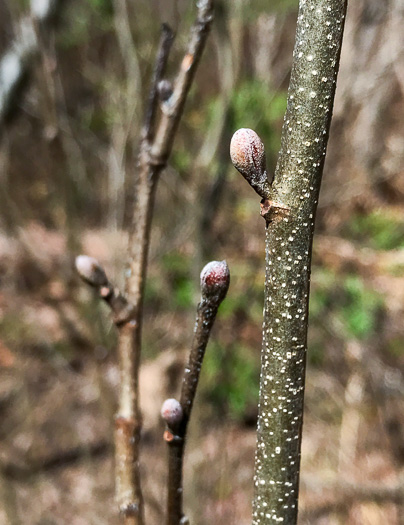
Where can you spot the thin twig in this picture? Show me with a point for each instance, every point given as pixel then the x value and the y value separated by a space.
pixel 127 480
pixel 154 153
pixel 166 40
pixel 153 158
pixel 215 279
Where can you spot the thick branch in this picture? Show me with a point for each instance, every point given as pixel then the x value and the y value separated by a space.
pixel 288 258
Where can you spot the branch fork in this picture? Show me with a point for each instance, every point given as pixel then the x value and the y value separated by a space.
pixel 215 280
pixel 155 148
pixel 273 211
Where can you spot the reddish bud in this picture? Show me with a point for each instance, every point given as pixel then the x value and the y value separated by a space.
pixel 91 271
pixel 248 156
pixel 215 280
pixel 171 412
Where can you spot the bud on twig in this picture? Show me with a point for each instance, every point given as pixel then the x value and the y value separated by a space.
pixel 164 90
pixel 215 280
pixel 171 412
pixel 248 157
pixel 91 271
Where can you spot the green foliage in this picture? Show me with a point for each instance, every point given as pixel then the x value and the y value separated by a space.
pixel 104 7
pixel 347 302
pixel 396 347
pixel 324 282
pixel 230 379
pixel 256 107
pixel 85 20
pixel 378 229
pixel 263 6
pixel 181 160
pixel 178 276
pixel 361 308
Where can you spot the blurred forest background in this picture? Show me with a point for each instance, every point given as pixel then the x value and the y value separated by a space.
pixel 68 144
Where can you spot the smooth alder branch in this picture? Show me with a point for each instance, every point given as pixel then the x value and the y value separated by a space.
pixel 289 210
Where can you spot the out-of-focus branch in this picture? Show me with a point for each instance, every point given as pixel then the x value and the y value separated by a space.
pixel 155 149
pixel 154 153
pixel 16 62
pixel 215 280
pixel 166 40
pixel 346 493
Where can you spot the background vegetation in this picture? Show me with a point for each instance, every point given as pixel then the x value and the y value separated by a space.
pixel 68 165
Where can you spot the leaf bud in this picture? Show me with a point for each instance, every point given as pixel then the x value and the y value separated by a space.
pixel 171 412
pixel 164 90
pixel 91 271
pixel 248 157
pixel 215 280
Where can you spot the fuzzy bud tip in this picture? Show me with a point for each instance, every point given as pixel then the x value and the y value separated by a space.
pixel 247 152
pixel 215 280
pixel 248 157
pixel 91 271
pixel 171 412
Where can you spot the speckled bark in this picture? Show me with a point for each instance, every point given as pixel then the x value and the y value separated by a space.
pixel 289 234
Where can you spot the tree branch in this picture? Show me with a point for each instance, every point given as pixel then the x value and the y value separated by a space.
pixel 154 153
pixel 289 211
pixel 215 280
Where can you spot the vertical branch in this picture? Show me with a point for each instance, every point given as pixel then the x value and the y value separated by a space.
pixel 155 150
pixel 215 280
pixel 289 206
pixel 288 258
pixel 154 153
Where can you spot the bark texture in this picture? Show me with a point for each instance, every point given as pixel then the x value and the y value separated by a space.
pixel 290 214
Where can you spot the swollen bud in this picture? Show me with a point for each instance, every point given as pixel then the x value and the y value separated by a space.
pixel 248 157
pixel 91 271
pixel 171 412
pixel 215 280
pixel 164 90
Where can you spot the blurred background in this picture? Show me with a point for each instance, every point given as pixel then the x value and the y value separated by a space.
pixel 73 79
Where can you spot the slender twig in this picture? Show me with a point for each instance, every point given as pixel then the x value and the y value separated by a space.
pixel 289 207
pixel 154 153
pixel 128 484
pixel 215 280
pixel 166 40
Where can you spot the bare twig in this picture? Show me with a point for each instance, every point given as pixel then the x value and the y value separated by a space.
pixel 215 280
pixel 166 40
pixel 127 479
pixel 155 149
pixel 154 152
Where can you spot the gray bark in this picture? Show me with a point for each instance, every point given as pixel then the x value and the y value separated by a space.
pixel 290 213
